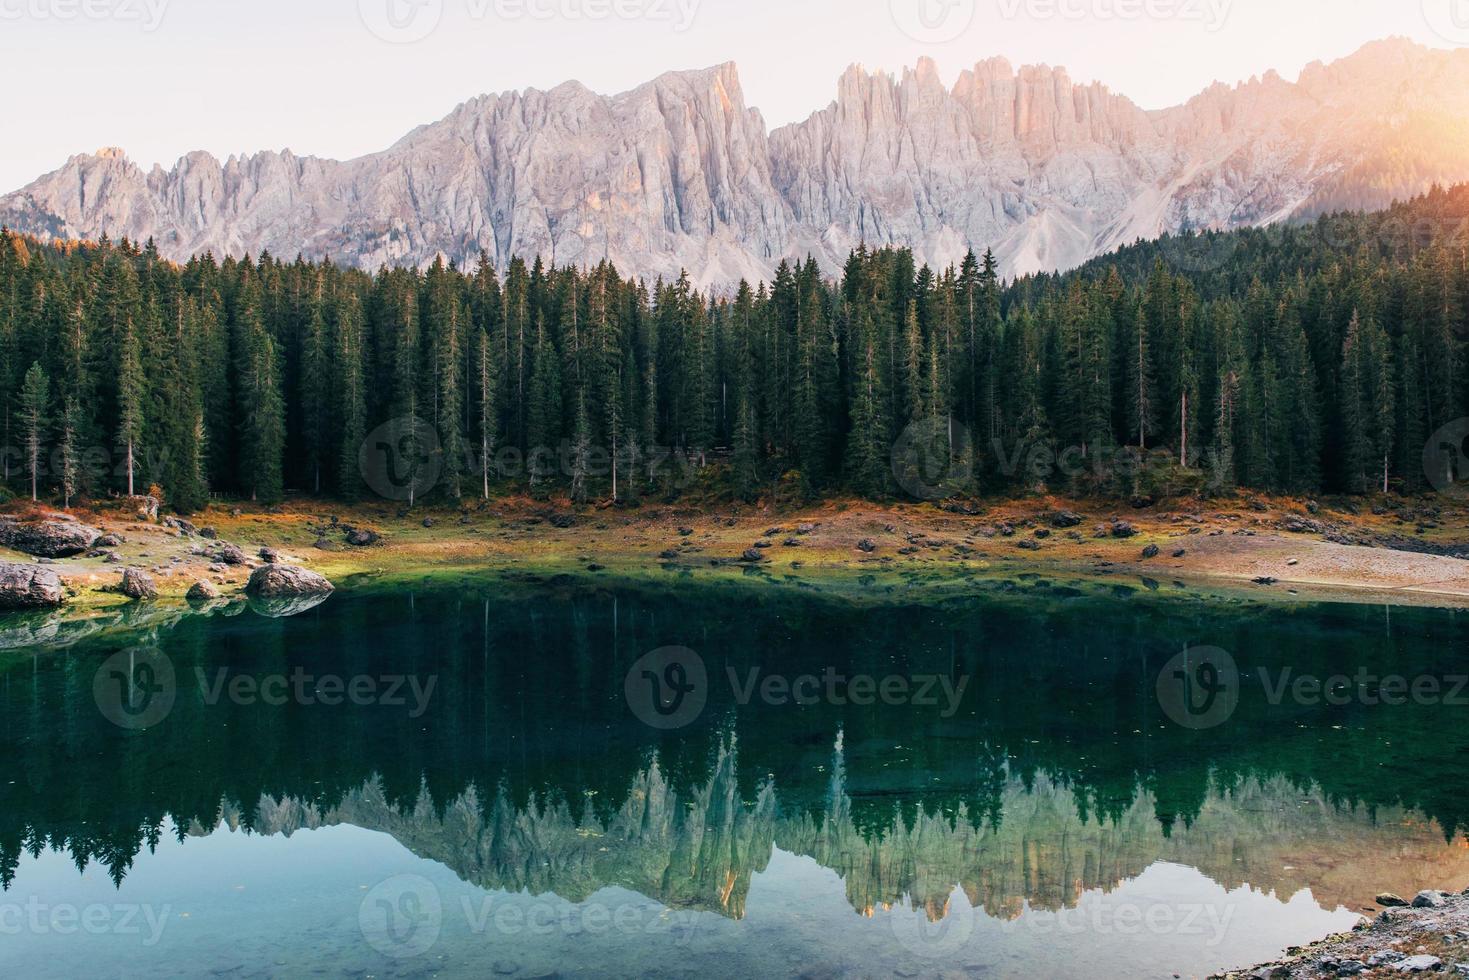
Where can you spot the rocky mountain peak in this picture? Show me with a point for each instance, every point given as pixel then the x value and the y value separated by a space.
pixel 680 173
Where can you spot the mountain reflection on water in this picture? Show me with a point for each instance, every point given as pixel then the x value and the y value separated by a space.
pixel 1057 783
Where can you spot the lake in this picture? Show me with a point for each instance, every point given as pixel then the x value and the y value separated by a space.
pixel 562 778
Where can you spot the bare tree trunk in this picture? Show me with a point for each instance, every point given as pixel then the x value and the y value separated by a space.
pixel 1183 431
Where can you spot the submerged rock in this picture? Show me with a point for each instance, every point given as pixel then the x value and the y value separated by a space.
pixel 29 587
pixel 283 607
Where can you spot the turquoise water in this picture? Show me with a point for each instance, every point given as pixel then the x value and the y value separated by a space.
pixel 474 782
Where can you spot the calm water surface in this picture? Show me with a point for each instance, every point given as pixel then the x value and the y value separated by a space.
pixel 465 782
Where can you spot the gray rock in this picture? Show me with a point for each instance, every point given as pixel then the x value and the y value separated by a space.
pixel 29 587
pixel 1389 900
pixel 1429 900
pixel 1151 551
pixel 186 528
pixel 138 584
pixel 1419 964
pixel 203 591
pixel 362 538
pixel 230 554
pixel 286 582
pixel 867 545
pixel 752 557
pixel 1122 529
pixel 48 539
pixel 1384 957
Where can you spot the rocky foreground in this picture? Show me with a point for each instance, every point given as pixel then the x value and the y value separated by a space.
pixel 1427 936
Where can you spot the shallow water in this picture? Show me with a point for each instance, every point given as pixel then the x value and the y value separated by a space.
pixel 474 782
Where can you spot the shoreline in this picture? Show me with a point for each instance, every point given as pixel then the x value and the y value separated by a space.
pixel 1245 549
pixel 1428 934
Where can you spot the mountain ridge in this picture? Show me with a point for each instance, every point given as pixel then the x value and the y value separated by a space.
pixel 680 173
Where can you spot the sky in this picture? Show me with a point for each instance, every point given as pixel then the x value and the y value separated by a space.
pixel 339 78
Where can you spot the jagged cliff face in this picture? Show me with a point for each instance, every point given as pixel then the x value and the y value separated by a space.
pixel 680 174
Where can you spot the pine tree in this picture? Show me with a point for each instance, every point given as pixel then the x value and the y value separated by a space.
pixel 71 421
pixel 35 397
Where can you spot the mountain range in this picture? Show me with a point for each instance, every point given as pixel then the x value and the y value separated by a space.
pixel 680 174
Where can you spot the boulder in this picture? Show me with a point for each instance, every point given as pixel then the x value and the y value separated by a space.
pixel 1419 964
pixel 229 554
pixel 208 532
pixel 867 545
pixel 145 508
pixel 286 582
pixel 49 539
pixel 183 527
pixel 29 587
pixel 138 584
pixel 1390 901
pixel 203 591
pixel 1429 900
pixel 1122 529
pixel 1150 552
pixel 1064 519
pixel 108 541
pixel 752 557
pixel 362 538
pixel 270 556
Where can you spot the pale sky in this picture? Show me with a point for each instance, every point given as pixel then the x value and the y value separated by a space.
pixel 162 77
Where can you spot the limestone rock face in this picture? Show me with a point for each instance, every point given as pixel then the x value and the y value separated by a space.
pixel 29 587
pixel 680 174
